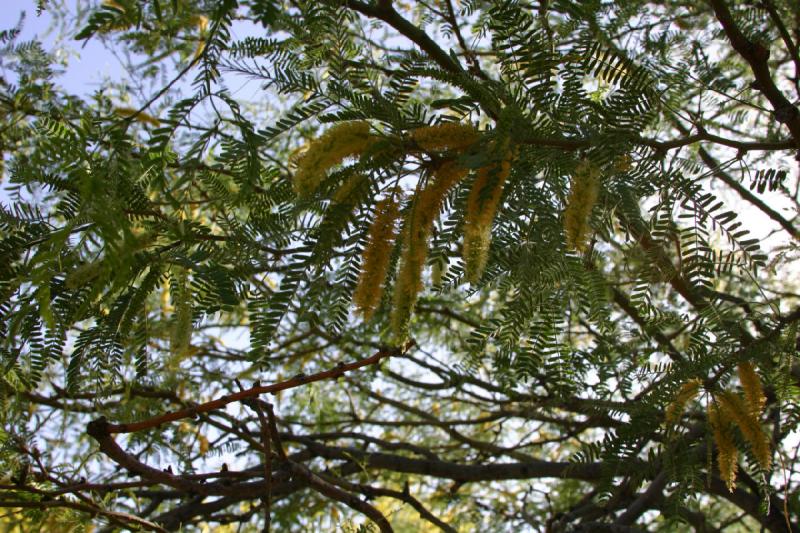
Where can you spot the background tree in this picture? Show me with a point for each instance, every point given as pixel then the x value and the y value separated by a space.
pixel 462 266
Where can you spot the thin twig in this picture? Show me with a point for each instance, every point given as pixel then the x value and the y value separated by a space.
pixel 123 519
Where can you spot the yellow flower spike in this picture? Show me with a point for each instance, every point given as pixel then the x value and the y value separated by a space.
pixel 201 21
pixel 346 139
pixel 416 233
pixel 734 407
pixel 753 392
pixel 438 270
pixel 166 298
pixel 623 163
pixel 686 394
pixel 445 177
pixel 727 454
pixel 481 207
pixel 375 262
pixel 446 136
pixel 407 287
pixel 138 116
pixel 203 444
pixel 199 49
pixel 584 189
pixel 114 5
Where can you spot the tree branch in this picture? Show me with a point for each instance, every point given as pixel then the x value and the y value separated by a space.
pixel 643 502
pixel 335 493
pixel 742 146
pixel 296 381
pixel 404 497
pixel 757 57
pixel 385 12
pixel 731 182
pixel 123 519
pixel 456 471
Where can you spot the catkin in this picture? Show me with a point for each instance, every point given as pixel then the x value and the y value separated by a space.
pixel 753 392
pixel 623 163
pixel 199 49
pixel 727 454
pixel 375 262
pixel 446 136
pixel 735 409
pixel 202 444
pixel 139 116
pixel 584 189
pixel 481 206
pixel 416 233
pixel 115 5
pixel 343 140
pixel 685 395
pixel 201 21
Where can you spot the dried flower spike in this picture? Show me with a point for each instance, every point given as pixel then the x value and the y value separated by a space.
pixel 375 262
pixel 753 392
pixel 584 189
pixel 727 454
pixel 349 191
pixel 416 234
pixel 181 333
pixel 732 406
pixel 139 116
pixel 446 136
pixel 343 140
pixel 481 207
pixel 685 395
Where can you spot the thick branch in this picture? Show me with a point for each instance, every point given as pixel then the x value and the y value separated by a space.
pixel 742 146
pixel 757 57
pixel 385 12
pixel 456 471
pixel 335 493
pixel 644 501
pixel 99 431
pixel 404 496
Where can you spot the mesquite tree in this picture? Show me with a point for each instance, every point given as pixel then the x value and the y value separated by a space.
pixel 466 266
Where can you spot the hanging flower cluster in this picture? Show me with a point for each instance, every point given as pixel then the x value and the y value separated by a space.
pixel 584 189
pixel 482 203
pixel 346 139
pixel 726 412
pixel 444 143
pixel 416 236
pixel 377 255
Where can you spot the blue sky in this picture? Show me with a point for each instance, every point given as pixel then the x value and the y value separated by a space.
pixel 86 64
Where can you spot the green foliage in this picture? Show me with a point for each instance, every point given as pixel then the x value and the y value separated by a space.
pixel 154 256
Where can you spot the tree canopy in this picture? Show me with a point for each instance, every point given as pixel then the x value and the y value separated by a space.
pixel 356 265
